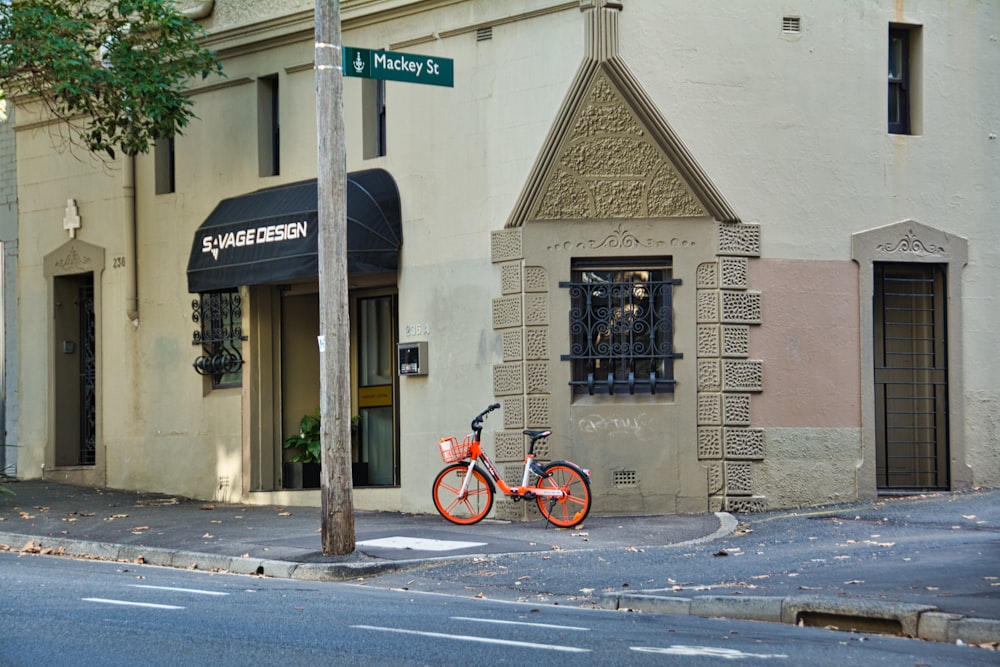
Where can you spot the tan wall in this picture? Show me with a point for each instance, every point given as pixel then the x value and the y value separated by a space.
pixel 809 337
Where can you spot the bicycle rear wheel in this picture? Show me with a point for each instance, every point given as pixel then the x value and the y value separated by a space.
pixel 470 507
pixel 573 508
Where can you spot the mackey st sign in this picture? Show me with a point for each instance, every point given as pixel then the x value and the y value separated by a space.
pixel 394 66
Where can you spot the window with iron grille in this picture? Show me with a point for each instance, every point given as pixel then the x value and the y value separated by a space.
pixel 220 336
pixel 621 327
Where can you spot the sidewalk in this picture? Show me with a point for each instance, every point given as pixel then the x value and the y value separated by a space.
pixel 286 541
pixel 927 568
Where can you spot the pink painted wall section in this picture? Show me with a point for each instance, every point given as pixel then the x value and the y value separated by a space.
pixel 809 341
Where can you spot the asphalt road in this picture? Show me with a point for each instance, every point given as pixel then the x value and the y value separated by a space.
pixel 58 611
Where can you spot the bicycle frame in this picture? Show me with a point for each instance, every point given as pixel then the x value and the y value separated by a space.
pixel 476 453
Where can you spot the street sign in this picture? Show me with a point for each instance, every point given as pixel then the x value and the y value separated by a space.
pixel 395 66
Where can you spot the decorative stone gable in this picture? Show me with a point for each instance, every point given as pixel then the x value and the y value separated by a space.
pixel 609 166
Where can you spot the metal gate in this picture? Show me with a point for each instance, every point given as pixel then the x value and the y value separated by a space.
pixel 911 377
pixel 88 378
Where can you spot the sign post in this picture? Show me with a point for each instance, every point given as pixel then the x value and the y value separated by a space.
pixel 395 66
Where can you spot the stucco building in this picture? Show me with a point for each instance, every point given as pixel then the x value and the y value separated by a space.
pixel 713 246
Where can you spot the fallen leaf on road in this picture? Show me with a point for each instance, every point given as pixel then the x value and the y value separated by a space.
pixel 721 552
pixel 854 581
pixel 479 596
pixel 116 516
pixel 208 507
pixel 207 536
pixel 969 516
pixel 284 514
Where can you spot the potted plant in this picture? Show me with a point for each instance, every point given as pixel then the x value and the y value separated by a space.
pixel 307 449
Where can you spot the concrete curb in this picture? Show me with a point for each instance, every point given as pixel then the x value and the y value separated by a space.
pixel 912 620
pixel 190 560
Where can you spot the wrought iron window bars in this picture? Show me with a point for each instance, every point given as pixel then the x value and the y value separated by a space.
pixel 220 334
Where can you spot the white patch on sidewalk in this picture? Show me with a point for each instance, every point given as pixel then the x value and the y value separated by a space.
pixel 418 544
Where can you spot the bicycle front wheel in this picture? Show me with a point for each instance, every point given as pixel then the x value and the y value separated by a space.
pixel 572 508
pixel 463 508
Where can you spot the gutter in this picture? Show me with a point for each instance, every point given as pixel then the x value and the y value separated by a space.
pixel 131 265
pixel 204 10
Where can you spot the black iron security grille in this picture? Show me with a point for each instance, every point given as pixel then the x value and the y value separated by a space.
pixel 88 378
pixel 621 329
pixel 220 336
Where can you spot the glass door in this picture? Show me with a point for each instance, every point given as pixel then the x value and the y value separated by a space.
pixel 374 446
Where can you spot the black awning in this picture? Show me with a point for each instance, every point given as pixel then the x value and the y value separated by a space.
pixel 270 235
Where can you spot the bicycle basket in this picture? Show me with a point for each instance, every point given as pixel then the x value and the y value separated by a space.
pixel 452 450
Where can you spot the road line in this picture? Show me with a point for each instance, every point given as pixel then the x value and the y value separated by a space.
pixel 195 591
pixel 132 604
pixel 481 640
pixel 530 625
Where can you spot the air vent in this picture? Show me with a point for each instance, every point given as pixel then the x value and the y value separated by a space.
pixel 484 34
pixel 791 24
pixel 625 478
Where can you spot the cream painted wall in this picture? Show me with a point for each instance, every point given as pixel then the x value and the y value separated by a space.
pixel 791 129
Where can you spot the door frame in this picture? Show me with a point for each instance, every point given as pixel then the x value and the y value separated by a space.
pixel 901 242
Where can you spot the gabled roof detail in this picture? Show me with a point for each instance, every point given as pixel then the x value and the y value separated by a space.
pixel 612 155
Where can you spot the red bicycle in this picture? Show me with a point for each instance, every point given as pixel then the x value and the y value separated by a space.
pixel 463 491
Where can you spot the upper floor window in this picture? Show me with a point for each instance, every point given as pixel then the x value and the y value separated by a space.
pixel 904 79
pixel 373 117
pixel 621 326
pixel 163 158
pixel 268 126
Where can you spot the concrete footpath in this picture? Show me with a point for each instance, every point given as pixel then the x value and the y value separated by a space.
pixel 962 605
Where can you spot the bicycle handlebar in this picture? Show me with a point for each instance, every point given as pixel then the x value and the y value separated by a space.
pixel 477 422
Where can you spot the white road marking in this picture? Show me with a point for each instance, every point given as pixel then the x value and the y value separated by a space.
pixel 195 591
pixel 707 651
pixel 124 603
pixel 418 544
pixel 481 640
pixel 531 625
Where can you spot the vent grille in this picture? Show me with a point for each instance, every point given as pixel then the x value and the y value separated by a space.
pixel 625 478
pixel 791 24
pixel 484 34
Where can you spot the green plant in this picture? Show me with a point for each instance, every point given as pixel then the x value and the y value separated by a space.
pixel 307 442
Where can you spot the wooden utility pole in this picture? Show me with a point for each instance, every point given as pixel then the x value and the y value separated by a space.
pixel 334 317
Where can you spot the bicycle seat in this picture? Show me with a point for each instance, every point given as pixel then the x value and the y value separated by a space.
pixel 535 435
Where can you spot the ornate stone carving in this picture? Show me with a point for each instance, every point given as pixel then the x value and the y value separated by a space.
pixel 709 443
pixel 513 412
pixel 708 340
pixel 739 239
pixel 743 443
pixel 610 167
pixel 536 279
pixel 735 411
pixel 509 446
pixel 510 278
pixel 507 379
pixel 739 478
pixel 734 272
pixel 536 309
pixel 707 276
pixel 537 343
pixel 511 343
pixel 709 409
pixel 536 374
pixel 506 245
pixel 740 307
pixel 742 375
pixel 507 312
pixel 911 245
pixel 735 340
pixel 539 415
